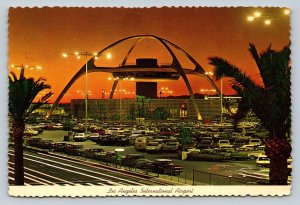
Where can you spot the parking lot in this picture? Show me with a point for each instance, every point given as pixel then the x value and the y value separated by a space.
pixel 226 168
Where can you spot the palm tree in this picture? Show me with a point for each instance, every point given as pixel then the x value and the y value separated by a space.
pixel 271 102
pixel 22 92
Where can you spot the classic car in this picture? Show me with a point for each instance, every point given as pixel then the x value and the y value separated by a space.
pixel 165 166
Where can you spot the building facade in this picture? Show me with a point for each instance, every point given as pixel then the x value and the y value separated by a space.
pixel 130 108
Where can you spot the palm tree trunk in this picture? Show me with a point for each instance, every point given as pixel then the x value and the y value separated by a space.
pixel 278 171
pixel 18 131
pixel 278 150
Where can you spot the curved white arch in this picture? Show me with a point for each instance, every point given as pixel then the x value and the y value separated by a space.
pixel 198 70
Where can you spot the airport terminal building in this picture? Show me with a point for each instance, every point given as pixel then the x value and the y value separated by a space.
pixel 124 108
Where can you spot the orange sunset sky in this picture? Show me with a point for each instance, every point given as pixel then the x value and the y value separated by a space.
pixel 39 36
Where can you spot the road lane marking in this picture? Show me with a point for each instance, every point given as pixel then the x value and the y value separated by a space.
pixel 101 179
pixel 68 170
pixel 14 180
pixel 38 178
pixel 71 166
pixel 47 175
pixel 94 168
pixel 29 178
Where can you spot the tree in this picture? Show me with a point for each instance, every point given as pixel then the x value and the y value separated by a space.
pixel 68 125
pixel 160 113
pixel 140 102
pixel 22 92
pixel 271 102
pixel 185 137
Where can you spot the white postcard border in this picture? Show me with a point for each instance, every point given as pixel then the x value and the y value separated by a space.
pixel 129 191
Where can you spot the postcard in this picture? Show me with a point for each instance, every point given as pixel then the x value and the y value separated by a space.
pixel 172 101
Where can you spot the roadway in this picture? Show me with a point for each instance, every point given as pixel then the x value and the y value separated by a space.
pixel 228 168
pixel 51 169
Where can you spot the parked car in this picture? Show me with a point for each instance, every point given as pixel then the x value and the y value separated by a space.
pixel 222 143
pixel 30 132
pixel 33 142
pixel 48 127
pixel 46 144
pixel 167 131
pixel 206 155
pixel 58 126
pixel 80 137
pixel 74 149
pixel 153 146
pixel 258 151
pixel 263 160
pixel 130 160
pixel 165 166
pixel 171 147
pixel 108 140
pixel 143 163
pixel 37 128
pixel 233 153
pixel 94 137
pixel 107 157
pixel 100 131
pixel 122 140
pixel 59 147
pixel 140 143
pixel 205 144
pixel 255 142
pixel 91 153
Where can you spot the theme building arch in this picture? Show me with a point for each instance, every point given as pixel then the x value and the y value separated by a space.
pixel 174 66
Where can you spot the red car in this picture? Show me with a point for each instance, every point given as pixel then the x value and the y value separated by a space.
pixel 165 166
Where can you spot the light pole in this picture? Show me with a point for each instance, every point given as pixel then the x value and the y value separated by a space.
pixel 103 93
pixel 221 121
pixel 78 56
pixel 120 90
pixel 221 94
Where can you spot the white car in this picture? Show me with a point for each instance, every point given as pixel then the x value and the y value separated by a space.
pixel 80 137
pixel 255 142
pixel 94 136
pixel 30 132
pixel 222 143
pixel 262 160
pixel 255 153
pixel 153 147
pixel 58 126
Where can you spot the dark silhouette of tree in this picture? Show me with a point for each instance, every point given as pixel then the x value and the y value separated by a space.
pixel 22 92
pixel 140 102
pixel 271 102
pixel 160 113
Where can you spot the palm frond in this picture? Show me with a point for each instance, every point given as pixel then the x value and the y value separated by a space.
pixel 22 92
pixel 271 102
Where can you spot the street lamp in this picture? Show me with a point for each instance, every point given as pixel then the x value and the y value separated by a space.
pixel 221 121
pixel 257 14
pixel 103 93
pixel 265 16
pixel 31 67
pixel 108 56
pixel 287 11
pixel 267 22
pixel 78 56
pixel 221 95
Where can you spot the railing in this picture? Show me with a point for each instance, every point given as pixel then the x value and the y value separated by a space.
pixel 200 178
